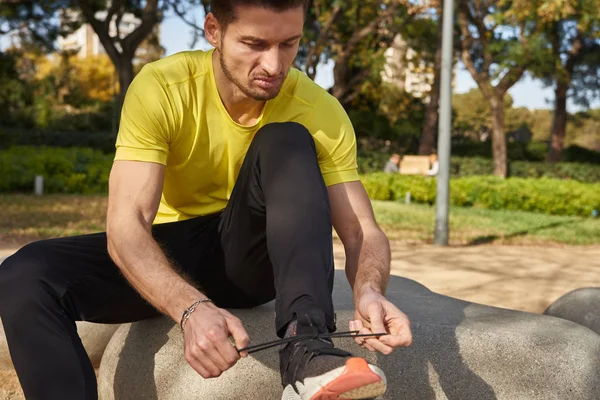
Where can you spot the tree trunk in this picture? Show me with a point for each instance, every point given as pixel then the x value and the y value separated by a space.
pixel 498 137
pixel 125 69
pixel 431 112
pixel 559 123
pixel 340 82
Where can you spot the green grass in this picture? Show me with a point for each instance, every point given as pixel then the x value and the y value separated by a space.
pixel 480 226
pixel 27 218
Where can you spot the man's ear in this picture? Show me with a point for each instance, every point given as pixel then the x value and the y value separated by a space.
pixel 212 30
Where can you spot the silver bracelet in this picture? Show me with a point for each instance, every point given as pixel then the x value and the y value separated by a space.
pixel 190 310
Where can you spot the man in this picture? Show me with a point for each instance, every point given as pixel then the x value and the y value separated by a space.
pixel 434 165
pixel 229 173
pixel 392 166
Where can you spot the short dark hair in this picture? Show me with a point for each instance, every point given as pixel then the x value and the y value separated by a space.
pixel 224 10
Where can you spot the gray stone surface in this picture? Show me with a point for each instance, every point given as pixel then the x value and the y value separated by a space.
pixel 460 351
pixel 581 306
pixel 95 337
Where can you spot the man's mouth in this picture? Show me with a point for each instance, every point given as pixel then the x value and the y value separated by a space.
pixel 268 83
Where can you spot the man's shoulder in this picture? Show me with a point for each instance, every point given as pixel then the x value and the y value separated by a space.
pixel 303 89
pixel 179 67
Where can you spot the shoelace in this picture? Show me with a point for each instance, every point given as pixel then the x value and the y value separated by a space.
pixel 298 338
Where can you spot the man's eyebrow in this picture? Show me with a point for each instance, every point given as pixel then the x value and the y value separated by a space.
pixel 293 38
pixel 250 38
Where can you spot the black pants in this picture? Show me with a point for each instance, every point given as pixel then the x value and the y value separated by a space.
pixel 273 241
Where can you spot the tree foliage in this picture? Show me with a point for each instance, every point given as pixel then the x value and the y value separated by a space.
pixel 572 31
pixel 500 39
pixel 43 21
pixel 354 34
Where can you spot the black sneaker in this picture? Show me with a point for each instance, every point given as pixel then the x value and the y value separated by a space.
pixel 313 369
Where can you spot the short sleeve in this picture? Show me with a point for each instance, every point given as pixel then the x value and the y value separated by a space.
pixel 148 120
pixel 335 140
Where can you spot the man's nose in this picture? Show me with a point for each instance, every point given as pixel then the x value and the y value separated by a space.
pixel 270 61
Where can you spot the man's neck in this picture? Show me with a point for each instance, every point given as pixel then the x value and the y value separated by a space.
pixel 243 109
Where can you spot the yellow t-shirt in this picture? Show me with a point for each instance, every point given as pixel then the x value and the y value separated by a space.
pixel 173 115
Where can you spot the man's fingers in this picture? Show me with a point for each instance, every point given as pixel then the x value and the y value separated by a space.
pixel 358 326
pixel 365 339
pixel 240 336
pixel 376 344
pixel 404 338
pixel 201 363
pixel 380 346
pixel 209 350
pixel 400 332
pixel 199 368
pixel 365 342
pixel 376 318
pixel 219 337
pixel 368 347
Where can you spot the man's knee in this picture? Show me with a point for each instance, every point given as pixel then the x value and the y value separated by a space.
pixel 23 274
pixel 284 136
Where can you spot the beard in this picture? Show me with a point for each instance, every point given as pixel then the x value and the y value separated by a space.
pixel 256 94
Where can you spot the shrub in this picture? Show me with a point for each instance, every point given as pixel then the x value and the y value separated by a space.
pixel 576 153
pixel 471 166
pixel 99 140
pixel 475 166
pixel 544 195
pixel 73 170
pixel 371 161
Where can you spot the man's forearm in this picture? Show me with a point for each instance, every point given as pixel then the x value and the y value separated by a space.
pixel 145 266
pixel 368 262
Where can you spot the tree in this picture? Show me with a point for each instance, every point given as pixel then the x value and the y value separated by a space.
pixel 572 30
pixel 414 65
pixel 121 50
pixel 472 118
pixel 499 41
pixel 354 34
pixel 13 89
pixel 43 21
pixel 95 76
pixel 431 111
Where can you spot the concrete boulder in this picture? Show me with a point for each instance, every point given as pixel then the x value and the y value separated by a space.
pixel 581 306
pixel 95 337
pixel 460 351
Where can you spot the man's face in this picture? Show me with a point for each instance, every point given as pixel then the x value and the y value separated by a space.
pixel 259 47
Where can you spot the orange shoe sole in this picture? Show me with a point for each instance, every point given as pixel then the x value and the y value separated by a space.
pixel 357 381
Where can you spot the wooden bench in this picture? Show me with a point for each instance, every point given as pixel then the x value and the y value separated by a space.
pixel 414 165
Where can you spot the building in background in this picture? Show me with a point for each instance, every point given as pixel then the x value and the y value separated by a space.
pixel 86 43
pixel 407 71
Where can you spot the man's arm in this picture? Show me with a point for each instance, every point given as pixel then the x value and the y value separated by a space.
pixel 364 242
pixel 367 268
pixel 134 195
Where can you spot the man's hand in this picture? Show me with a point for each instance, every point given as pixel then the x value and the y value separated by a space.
pixel 206 340
pixel 375 314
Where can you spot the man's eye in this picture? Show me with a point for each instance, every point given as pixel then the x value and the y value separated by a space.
pixel 255 46
pixel 292 44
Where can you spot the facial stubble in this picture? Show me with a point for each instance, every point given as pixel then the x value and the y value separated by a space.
pixel 244 89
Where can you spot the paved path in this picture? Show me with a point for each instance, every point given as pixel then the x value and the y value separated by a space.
pixel 516 277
